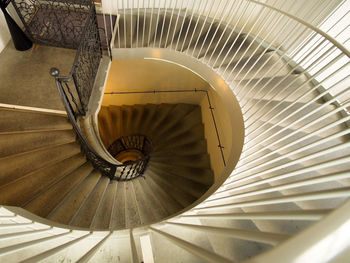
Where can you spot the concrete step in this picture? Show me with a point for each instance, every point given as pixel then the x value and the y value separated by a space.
pixel 181 134
pixel 145 206
pixel 199 175
pixel 18 165
pixel 176 115
pixel 191 187
pixel 68 207
pixel 132 215
pixel 197 161
pixel 19 191
pixel 158 208
pixel 23 142
pixel 170 204
pixel 46 201
pixel 118 214
pixel 104 212
pixel 16 120
pixel 177 193
pixel 85 215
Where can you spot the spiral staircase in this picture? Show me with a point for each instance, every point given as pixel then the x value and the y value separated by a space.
pixel 283 199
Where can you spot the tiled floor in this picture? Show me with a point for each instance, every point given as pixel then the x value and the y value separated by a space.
pixel 25 78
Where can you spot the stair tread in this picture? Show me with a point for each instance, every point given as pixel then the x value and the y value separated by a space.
pixel 86 213
pixel 68 207
pixel 132 215
pixel 45 202
pixel 16 166
pixel 194 188
pixel 158 210
pixel 16 143
pixel 15 120
pixel 104 212
pixel 171 205
pixel 177 193
pixel 19 191
pixel 145 207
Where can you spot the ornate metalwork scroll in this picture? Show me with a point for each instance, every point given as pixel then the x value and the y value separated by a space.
pixel 55 23
pixel 87 60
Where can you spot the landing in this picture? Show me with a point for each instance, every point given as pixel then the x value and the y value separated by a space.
pixel 25 78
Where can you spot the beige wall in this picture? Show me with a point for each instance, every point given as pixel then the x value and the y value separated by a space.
pixel 148 75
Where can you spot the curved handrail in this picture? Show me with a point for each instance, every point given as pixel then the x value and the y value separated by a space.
pixel 119 172
pixel 301 21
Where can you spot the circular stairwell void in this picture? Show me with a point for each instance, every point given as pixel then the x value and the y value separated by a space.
pixel 185 164
pixel 45 172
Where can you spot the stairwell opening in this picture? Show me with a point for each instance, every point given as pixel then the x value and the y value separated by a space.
pixel 189 131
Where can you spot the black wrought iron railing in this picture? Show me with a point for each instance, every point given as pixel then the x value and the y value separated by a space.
pixel 133 142
pixel 58 23
pixel 134 150
pixel 76 88
pixel 120 172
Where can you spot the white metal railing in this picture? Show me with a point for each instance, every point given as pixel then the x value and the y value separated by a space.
pixel 290 75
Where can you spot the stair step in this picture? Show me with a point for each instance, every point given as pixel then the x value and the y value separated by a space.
pixel 175 116
pixel 45 202
pixel 16 143
pixel 171 205
pixel 143 203
pixel 196 161
pixel 191 148
pixel 132 215
pixel 15 166
pixel 16 120
pixel 162 112
pixel 118 215
pixel 181 134
pixel 194 188
pixel 104 212
pixel 157 207
pixel 85 215
pixel 71 204
pixel 177 193
pixel 18 192
pixel 200 175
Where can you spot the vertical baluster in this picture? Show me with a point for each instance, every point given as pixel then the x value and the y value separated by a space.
pixel 131 22
pixel 150 24
pixel 203 24
pixel 124 17
pixel 118 18
pixel 210 26
pixel 228 23
pixel 200 13
pixel 189 24
pixel 157 22
pixel 164 18
pixel 138 23
pixel 182 25
pixel 170 22
pixel 176 23
pixel 223 15
pixel 144 21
